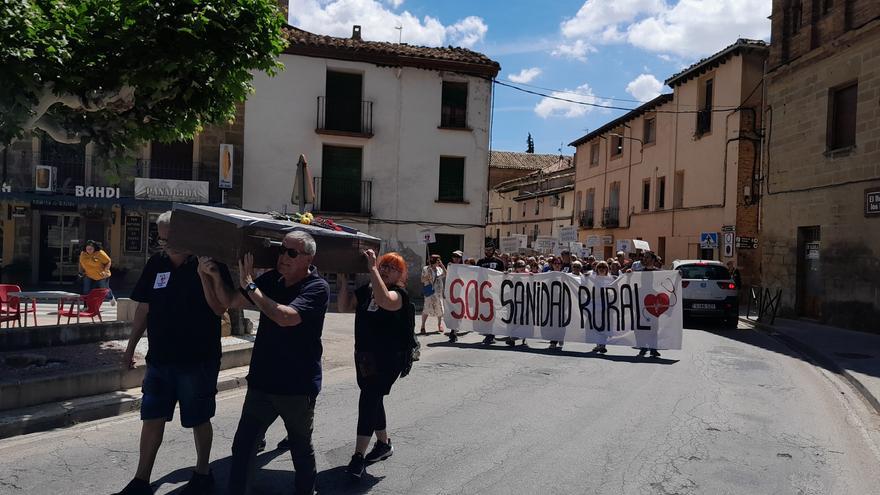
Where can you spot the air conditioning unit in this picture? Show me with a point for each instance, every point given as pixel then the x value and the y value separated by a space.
pixel 46 178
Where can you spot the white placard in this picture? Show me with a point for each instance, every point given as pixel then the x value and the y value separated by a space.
pixel 509 244
pixel 568 234
pixel 641 309
pixel 426 236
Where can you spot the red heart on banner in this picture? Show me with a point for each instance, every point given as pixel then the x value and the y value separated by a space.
pixel 657 304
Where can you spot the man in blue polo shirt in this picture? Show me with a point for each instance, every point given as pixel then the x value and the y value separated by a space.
pixel 285 372
pixel 183 360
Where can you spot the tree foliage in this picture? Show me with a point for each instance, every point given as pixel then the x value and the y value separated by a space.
pixel 530 144
pixel 119 72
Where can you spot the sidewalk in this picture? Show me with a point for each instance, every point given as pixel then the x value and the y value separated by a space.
pixel 854 355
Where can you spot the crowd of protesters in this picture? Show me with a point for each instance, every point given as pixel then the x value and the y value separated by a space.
pixel 599 271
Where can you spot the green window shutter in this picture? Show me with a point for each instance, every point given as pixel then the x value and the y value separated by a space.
pixel 451 179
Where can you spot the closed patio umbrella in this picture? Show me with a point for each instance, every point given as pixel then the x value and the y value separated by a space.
pixel 303 190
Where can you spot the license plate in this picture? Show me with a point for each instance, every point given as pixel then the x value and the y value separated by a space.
pixel 704 306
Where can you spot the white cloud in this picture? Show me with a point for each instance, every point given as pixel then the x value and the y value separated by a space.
pixel 467 32
pixel 687 28
pixel 645 87
pixel 549 107
pixel 525 75
pixel 378 22
pixel 577 50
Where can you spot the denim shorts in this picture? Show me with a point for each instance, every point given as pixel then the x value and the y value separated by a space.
pixel 193 385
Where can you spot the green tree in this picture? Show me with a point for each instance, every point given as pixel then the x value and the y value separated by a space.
pixel 530 144
pixel 119 72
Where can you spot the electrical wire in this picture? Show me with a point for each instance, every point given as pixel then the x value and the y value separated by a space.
pixel 563 91
pixel 609 107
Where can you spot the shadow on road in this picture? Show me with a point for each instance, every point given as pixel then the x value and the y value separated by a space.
pixel 271 481
pixel 613 356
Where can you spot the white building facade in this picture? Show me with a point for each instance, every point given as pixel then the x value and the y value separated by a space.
pixel 396 138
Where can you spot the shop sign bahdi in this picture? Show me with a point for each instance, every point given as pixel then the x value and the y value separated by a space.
pixel 185 191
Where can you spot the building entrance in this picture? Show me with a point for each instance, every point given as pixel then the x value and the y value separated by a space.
pixel 59 247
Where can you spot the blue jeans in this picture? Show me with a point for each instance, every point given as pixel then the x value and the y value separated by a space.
pixel 89 284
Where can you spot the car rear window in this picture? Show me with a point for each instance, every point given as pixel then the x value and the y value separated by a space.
pixel 704 272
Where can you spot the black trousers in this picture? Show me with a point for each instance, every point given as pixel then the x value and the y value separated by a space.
pixel 260 410
pixel 371 413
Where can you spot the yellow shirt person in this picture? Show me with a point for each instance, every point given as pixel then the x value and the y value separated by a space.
pixel 95 265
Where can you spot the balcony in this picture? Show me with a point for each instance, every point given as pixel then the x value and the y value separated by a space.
pixel 343 196
pixel 585 219
pixel 611 217
pixel 174 170
pixel 344 117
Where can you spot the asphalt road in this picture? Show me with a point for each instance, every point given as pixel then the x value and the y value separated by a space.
pixel 735 412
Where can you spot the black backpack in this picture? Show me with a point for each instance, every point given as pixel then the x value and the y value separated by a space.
pixel 410 346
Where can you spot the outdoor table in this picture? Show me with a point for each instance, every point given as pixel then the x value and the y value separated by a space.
pixel 32 297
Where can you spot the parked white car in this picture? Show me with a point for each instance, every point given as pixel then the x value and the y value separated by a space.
pixel 708 289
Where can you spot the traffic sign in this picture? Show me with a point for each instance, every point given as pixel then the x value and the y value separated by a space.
pixel 709 240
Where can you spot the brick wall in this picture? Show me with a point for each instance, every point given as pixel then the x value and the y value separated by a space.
pixel 807 185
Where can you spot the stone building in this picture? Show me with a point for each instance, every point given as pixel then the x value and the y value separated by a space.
pixel 537 204
pixel 56 196
pixel 820 196
pixel 676 171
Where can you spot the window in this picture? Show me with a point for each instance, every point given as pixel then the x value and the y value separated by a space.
pixel 594 154
pixel 451 179
pixel 797 16
pixel 704 114
pixel 523 208
pixel 562 201
pixel 453 112
pixel 616 146
pixel 661 193
pixel 491 217
pixel 536 231
pixel 842 117
pixel 509 214
pixel 678 198
pixel 650 135
pixel 538 207
pixel 611 215
pixel 591 199
pixel 646 195
pixel 171 160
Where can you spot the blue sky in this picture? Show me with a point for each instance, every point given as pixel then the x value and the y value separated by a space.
pixel 592 50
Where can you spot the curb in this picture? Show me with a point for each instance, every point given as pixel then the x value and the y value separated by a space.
pixel 819 358
pixel 67 413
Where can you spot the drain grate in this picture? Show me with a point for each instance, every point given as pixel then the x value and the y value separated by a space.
pixel 853 355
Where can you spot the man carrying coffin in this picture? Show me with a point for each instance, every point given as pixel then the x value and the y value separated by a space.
pixel 491 261
pixel 285 370
pixel 183 360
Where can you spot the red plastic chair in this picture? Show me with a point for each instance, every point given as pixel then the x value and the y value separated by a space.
pixel 92 301
pixel 10 307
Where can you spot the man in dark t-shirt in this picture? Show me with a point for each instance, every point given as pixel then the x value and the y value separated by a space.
pixel 285 371
pixel 493 262
pixel 183 359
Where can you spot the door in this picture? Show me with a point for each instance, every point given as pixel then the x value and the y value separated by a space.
pixel 445 244
pixel 59 247
pixel 809 279
pixel 340 182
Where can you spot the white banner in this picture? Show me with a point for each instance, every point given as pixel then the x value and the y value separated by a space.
pixel 640 309
pixel 185 191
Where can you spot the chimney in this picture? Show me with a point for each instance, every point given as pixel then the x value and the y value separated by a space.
pixel 283 7
pixel 356 33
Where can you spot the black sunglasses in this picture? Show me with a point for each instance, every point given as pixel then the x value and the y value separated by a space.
pixel 290 252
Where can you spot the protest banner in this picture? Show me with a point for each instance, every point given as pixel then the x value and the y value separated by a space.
pixel 568 234
pixel 640 309
pixel 544 244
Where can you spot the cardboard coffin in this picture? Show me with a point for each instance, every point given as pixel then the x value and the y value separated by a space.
pixel 225 234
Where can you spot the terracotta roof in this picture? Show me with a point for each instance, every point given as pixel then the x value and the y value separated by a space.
pixel 525 161
pixel 382 53
pixel 632 114
pixel 742 45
